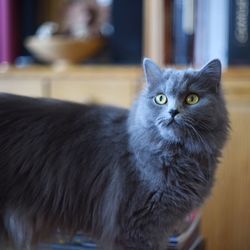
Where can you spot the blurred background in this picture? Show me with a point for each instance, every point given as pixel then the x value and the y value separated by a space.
pixel 118 32
pixel 91 51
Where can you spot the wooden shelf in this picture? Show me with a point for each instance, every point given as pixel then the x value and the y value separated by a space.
pixel 101 84
pixel 236 80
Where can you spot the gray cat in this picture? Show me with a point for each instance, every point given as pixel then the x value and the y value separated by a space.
pixel 123 177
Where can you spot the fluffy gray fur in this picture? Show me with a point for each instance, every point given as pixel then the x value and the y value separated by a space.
pixel 123 177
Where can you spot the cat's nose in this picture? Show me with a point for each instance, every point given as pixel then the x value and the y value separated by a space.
pixel 173 112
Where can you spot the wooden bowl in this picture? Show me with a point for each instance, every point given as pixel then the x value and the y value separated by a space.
pixel 60 49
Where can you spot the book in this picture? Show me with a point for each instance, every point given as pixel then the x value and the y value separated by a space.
pixel 9 30
pixel 5 31
pixel 211 32
pixel 201 31
pixel 183 31
pixel 28 21
pixel 223 33
pixel 126 40
pixel 239 32
pixel 168 26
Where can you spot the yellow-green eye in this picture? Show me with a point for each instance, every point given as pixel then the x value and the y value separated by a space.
pixel 192 99
pixel 161 99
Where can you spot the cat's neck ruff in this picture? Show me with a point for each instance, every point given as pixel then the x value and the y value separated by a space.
pixel 153 145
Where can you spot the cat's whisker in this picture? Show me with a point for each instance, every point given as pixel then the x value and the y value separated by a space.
pixel 195 131
pixel 202 124
pixel 162 121
pixel 194 136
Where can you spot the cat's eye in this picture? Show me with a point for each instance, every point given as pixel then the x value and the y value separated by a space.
pixel 161 99
pixel 192 99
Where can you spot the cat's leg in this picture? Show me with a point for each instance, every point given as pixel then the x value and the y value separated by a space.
pixel 19 230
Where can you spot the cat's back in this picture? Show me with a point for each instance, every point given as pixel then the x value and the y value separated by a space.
pixel 37 132
pixel 17 109
pixel 15 106
pixel 43 120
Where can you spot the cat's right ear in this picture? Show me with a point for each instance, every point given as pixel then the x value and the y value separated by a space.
pixel 152 71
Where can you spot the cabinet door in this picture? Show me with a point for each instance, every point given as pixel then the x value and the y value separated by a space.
pixel 29 87
pixel 120 93
pixel 226 220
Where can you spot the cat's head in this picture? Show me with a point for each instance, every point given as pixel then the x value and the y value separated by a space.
pixel 181 104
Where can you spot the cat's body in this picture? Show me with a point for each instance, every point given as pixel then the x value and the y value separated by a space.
pixel 116 175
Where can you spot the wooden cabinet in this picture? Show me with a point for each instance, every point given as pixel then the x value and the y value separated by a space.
pixel 30 87
pixel 103 85
pixel 226 215
pixel 115 87
pixel 91 92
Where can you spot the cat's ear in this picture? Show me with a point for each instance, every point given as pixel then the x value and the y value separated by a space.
pixel 212 71
pixel 152 71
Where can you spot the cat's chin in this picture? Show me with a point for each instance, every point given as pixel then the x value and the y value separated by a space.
pixel 171 134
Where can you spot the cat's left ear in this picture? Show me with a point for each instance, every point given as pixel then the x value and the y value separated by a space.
pixel 212 71
pixel 152 71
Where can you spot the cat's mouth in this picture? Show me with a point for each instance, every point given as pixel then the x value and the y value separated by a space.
pixel 168 122
pixel 171 121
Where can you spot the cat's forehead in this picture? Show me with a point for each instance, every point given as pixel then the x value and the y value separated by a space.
pixel 174 81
